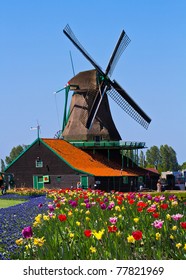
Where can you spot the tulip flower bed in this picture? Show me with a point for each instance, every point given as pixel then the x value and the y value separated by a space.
pixel 28 192
pixel 14 218
pixel 95 225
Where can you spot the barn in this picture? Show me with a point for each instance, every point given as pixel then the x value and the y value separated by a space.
pixel 56 163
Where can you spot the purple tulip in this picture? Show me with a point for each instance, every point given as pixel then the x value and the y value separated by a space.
pixel 111 205
pixel 149 197
pixel 51 208
pixel 40 205
pixel 88 205
pixel 156 199
pixel 132 195
pixel 103 206
pixel 73 203
pixel 27 232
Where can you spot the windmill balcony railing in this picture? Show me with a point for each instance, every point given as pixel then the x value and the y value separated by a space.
pixel 119 144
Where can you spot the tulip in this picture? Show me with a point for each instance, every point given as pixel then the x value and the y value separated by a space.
pixel 27 232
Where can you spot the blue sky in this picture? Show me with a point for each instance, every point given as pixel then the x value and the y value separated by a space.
pixel 35 62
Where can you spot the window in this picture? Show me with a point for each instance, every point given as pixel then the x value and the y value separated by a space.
pixel 125 180
pixel 39 163
pixel 58 179
pixel 97 138
pixel 140 179
pixel 40 179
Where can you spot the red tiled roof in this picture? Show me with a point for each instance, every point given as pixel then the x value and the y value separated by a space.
pixel 81 161
pixel 154 170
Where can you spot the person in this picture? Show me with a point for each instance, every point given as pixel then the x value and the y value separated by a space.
pixel 159 186
pixel 2 184
pixel 3 188
pixel 78 185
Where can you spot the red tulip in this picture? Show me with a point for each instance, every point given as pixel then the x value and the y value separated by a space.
pixel 137 234
pixel 155 215
pixel 62 217
pixel 87 232
pixel 183 225
pixel 112 228
pixel 164 206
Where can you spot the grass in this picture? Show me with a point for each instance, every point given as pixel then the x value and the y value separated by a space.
pixel 5 203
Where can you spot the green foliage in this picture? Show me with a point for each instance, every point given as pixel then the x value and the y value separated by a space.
pixel 2 165
pixel 142 162
pixel 168 158
pixel 183 166
pixel 15 152
pixel 153 156
pixel 163 159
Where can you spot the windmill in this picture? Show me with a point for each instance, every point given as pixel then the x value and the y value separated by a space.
pixel 89 117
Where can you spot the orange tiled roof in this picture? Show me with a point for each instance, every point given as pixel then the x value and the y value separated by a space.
pixel 81 161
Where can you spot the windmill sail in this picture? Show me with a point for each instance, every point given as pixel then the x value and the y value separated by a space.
pixel 121 45
pixel 68 32
pixel 121 97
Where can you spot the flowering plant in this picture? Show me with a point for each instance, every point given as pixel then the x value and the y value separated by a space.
pixel 93 224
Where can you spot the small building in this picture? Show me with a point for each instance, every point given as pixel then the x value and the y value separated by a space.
pixel 174 179
pixel 56 163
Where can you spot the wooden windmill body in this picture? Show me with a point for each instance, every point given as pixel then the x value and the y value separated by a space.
pixel 103 127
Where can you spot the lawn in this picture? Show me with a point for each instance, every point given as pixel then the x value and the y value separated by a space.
pixel 4 203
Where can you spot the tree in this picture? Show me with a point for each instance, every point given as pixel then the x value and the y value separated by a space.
pixel 163 159
pixel 183 166
pixel 142 159
pixel 15 152
pixel 168 158
pixel 2 165
pixel 153 157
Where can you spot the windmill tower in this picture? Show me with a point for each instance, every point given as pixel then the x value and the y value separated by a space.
pixel 102 127
pixel 89 117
